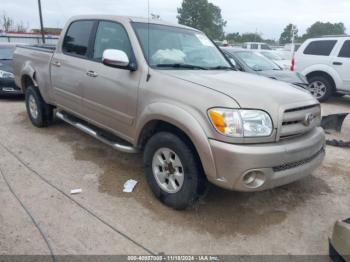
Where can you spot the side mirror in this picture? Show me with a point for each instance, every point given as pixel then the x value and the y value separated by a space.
pixel 117 58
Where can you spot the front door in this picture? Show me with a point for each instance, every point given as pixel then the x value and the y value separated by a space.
pixel 110 94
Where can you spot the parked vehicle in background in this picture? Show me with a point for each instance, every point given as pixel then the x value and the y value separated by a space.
pixel 339 243
pixel 7 81
pixel 326 64
pixel 289 49
pixel 277 58
pixel 255 63
pixel 166 89
pixel 256 46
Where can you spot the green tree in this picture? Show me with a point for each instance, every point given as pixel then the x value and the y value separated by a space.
pixel 286 36
pixel 6 23
pixel 233 38
pixel 251 37
pixel 321 29
pixel 202 15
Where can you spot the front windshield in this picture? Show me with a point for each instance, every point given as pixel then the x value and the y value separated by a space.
pixel 257 62
pixel 6 52
pixel 272 56
pixel 169 46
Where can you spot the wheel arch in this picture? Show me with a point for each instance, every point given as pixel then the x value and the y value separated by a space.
pixel 176 120
pixel 325 71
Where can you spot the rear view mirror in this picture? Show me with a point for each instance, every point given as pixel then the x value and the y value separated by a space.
pixel 116 58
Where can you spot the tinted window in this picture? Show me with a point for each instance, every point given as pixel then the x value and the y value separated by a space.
pixel 111 36
pixel 76 41
pixel 345 51
pixel 254 46
pixel 323 47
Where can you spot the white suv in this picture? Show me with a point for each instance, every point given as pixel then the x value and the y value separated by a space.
pixel 326 64
pixel 256 46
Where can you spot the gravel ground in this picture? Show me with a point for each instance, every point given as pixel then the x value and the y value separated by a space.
pixel 43 165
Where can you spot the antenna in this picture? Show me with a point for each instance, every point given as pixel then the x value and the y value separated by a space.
pixel 41 22
pixel 148 48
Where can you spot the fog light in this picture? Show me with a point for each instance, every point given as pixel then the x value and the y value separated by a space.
pixel 254 179
pixel 249 178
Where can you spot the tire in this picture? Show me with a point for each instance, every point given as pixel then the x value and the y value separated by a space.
pixel 321 88
pixel 163 146
pixel 40 113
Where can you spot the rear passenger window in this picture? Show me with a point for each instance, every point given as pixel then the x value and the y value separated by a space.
pixel 345 51
pixel 76 41
pixel 111 35
pixel 322 47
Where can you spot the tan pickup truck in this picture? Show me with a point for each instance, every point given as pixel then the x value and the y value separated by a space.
pixel 168 91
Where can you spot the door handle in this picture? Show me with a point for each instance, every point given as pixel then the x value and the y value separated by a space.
pixel 337 63
pixel 91 74
pixel 56 63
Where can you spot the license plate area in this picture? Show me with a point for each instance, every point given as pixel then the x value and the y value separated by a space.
pixel 8 89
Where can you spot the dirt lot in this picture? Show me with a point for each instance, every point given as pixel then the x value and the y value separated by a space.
pixel 43 165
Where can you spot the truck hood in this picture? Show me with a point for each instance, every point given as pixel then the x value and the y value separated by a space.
pixel 248 90
pixel 283 75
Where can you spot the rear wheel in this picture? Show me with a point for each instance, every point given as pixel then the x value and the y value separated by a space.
pixel 321 88
pixel 40 113
pixel 172 171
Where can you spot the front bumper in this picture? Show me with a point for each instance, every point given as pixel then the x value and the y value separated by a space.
pixel 278 163
pixel 8 87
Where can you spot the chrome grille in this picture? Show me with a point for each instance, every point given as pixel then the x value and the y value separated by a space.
pixel 300 120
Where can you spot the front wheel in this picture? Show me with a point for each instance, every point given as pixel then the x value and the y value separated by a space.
pixel 40 113
pixel 173 172
pixel 321 88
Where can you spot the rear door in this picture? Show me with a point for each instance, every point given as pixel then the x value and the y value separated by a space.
pixel 110 94
pixel 316 52
pixel 68 66
pixel 341 63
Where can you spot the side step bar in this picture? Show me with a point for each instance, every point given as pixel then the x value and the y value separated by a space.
pixel 90 131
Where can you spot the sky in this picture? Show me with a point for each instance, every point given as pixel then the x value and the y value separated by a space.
pixel 267 17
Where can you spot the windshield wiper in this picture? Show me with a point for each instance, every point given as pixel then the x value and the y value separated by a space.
pixel 221 68
pixel 186 66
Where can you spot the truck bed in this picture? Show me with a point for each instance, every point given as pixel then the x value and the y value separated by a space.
pixel 44 48
pixel 35 62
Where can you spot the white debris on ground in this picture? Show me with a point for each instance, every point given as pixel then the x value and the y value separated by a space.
pixel 129 186
pixel 76 191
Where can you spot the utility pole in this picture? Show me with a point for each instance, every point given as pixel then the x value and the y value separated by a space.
pixel 41 22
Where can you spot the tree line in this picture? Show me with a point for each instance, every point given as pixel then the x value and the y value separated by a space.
pixel 7 24
pixel 207 17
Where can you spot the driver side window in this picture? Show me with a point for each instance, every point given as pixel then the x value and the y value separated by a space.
pixel 111 35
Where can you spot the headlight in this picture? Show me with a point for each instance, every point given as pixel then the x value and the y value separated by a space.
pixel 241 122
pixel 4 74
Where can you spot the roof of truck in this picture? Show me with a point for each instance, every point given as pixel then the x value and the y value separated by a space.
pixel 130 19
